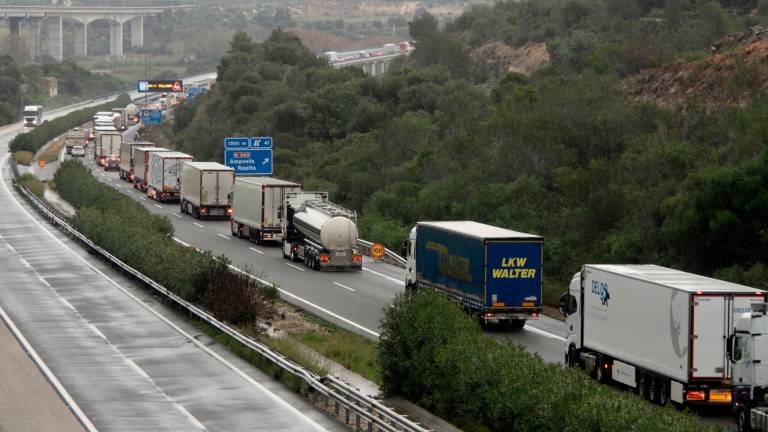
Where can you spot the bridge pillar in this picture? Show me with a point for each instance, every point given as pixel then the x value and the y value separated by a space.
pixel 53 42
pixel 137 32
pixel 15 25
pixel 34 25
pixel 81 40
pixel 115 39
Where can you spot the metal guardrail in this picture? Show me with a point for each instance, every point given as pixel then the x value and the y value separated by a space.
pixel 365 410
pixel 389 256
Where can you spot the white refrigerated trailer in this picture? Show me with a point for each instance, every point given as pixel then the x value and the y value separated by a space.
pixel 258 207
pixel 660 331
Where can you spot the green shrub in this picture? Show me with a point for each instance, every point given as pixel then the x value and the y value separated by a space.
pixel 32 184
pixel 433 354
pixel 38 137
pixel 145 242
pixel 23 157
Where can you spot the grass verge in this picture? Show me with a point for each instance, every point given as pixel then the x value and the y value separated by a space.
pixel 23 157
pixel 32 183
pixel 50 153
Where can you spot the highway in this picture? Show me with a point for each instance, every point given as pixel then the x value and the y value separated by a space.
pixel 119 358
pixel 353 300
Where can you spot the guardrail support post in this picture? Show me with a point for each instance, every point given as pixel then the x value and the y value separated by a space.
pixel 346 416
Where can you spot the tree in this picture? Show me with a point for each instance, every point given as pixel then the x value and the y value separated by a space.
pixel 423 27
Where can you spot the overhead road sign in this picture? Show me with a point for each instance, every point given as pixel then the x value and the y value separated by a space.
pixel 194 92
pixel 250 161
pixel 237 143
pixel 151 117
pixel 261 142
pixel 160 86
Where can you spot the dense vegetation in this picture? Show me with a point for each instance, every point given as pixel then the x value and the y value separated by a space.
pixel 435 355
pixel 50 129
pixel 561 155
pixel 144 241
pixel 74 83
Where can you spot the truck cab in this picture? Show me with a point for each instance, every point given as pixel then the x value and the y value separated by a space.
pixel 569 306
pixel 748 354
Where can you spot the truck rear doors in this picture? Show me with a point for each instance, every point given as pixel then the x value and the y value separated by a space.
pixel 713 322
pixel 513 274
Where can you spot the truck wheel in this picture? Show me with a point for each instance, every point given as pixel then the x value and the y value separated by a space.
pixel 663 391
pixel 642 385
pixel 282 250
pixel 573 356
pixel 653 390
pixel 742 420
pixel 600 372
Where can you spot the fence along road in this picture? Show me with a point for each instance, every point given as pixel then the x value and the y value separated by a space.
pixel 125 365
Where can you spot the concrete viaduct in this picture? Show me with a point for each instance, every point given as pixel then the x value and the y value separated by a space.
pixel 43 26
pixel 373 66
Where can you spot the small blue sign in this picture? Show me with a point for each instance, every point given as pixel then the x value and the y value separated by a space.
pixel 143 86
pixel 193 92
pixel 236 143
pixel 249 161
pixel 261 142
pixel 151 116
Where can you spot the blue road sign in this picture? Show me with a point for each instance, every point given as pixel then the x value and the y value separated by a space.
pixel 143 86
pixel 193 92
pixel 249 161
pixel 151 116
pixel 261 142
pixel 236 143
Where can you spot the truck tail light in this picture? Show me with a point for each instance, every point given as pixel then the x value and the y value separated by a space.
pixel 229 210
pixel 203 210
pixel 723 396
pixel 357 258
pixel 696 395
pixel 323 258
pixel 529 304
pixel 534 315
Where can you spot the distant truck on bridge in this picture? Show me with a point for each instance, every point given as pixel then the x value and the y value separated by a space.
pixel 401 48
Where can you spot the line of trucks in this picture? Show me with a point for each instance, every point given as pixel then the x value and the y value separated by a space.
pixel 309 227
pixel 669 335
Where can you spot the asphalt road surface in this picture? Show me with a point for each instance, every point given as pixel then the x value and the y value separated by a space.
pixel 126 363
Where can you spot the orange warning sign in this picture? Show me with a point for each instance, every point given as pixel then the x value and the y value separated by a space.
pixel 41 163
pixel 377 250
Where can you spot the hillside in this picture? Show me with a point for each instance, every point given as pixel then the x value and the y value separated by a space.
pixel 736 73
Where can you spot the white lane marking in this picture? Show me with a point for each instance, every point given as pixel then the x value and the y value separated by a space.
pixel 85 421
pixel 158 206
pixel 223 236
pixel 296 267
pixel 390 278
pixel 543 332
pixel 109 179
pixel 119 186
pixel 345 287
pixel 177 215
pixel 309 303
pixel 198 225
pixel 256 250
pixel 168 322
pixel 97 331
pixel 182 242
pixel 143 198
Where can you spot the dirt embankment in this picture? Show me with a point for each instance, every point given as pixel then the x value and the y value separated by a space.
pixel 735 73
pixel 524 59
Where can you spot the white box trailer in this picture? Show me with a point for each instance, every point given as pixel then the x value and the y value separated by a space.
pixel 127 150
pixel 164 175
pixel 141 165
pixel 206 189
pixel 108 149
pixel 660 331
pixel 258 207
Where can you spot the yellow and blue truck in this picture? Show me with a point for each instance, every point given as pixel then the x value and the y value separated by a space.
pixel 494 273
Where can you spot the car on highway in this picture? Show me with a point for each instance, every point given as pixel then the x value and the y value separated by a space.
pixel 78 151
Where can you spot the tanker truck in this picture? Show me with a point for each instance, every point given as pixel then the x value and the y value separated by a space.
pixel 320 233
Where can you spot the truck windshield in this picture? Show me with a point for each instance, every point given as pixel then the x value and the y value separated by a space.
pixel 30 113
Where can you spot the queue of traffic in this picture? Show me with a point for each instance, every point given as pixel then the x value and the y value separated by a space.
pixel 668 335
